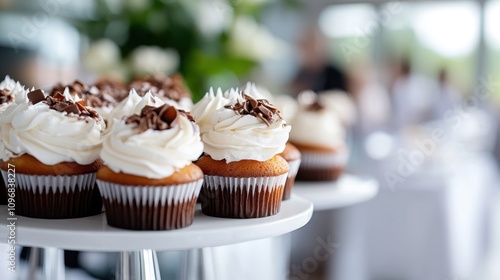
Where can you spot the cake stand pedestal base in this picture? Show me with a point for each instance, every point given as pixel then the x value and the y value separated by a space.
pixel 133 265
pixel 198 265
pixel 52 263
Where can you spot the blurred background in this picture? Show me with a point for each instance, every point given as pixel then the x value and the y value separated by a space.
pixel 424 77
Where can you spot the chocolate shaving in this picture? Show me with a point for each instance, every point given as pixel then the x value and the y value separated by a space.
pixel 171 87
pixel 157 118
pixel 36 96
pixel 59 103
pixel 5 96
pixel 260 108
pixel 315 106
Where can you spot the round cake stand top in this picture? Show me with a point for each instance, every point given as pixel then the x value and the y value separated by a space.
pixel 93 233
pixel 348 190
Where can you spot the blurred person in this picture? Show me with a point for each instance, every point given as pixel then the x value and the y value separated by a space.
pixel 447 95
pixel 316 72
pixel 371 97
pixel 412 96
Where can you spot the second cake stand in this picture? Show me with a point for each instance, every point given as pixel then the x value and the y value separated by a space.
pixel 348 190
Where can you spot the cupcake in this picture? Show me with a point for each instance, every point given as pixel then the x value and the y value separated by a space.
pixel 54 145
pixel 170 89
pixel 244 174
pixel 148 181
pixel 320 138
pixel 8 91
pixel 292 156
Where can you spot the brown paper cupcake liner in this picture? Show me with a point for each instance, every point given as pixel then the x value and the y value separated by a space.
pixel 319 174
pixel 321 166
pixel 3 191
pixel 150 207
pixel 290 180
pixel 56 197
pixel 231 197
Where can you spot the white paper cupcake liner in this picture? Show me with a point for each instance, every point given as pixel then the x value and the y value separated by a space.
pixel 150 207
pixel 324 159
pixel 293 167
pixel 55 183
pixel 251 197
pixel 290 181
pixel 56 196
pixel 147 195
pixel 251 184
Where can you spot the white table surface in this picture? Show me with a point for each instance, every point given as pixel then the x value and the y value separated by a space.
pixel 348 190
pixel 93 233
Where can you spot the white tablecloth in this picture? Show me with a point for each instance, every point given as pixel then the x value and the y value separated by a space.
pixel 432 226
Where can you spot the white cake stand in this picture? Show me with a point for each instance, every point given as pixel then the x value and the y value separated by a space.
pixel 348 190
pixel 138 257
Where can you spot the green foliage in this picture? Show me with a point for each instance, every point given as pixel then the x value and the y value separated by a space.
pixel 172 24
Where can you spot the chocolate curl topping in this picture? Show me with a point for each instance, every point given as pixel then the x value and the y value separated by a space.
pixel 5 96
pixel 157 118
pixel 58 103
pixel 260 108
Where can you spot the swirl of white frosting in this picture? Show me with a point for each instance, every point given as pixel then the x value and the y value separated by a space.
pixel 203 109
pixel 131 105
pixel 154 154
pixel 185 103
pixel 322 128
pixel 236 137
pixel 257 92
pixel 48 135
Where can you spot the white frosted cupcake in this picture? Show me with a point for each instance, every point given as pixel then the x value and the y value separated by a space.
pixel 244 174
pixel 148 181
pixel 320 137
pixel 54 145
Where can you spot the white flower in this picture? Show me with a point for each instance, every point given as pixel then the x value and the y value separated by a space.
pixel 102 56
pixel 213 16
pixel 251 40
pixel 152 60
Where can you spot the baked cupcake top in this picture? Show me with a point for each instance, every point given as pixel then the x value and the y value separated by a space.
pixel 170 89
pixel 245 129
pixel 53 129
pixel 315 125
pixel 8 91
pixel 154 143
